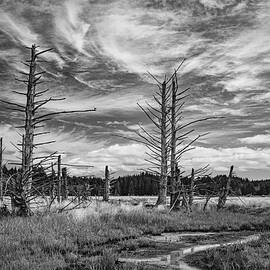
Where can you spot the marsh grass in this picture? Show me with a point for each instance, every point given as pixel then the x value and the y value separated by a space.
pixel 56 241
pixel 249 256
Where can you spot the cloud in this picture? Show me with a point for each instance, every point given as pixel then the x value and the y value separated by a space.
pixel 215 3
pixel 17 29
pixel 257 139
pixel 129 157
pixel 243 55
pixel 241 82
pixel 102 50
pixel 217 110
pixel 71 28
pixel 53 57
pixel 145 39
pixel 243 158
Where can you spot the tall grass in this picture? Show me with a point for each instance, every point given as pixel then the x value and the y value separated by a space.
pixel 55 241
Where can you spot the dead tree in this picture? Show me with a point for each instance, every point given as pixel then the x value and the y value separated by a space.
pixel 176 105
pixel 174 178
pixel 52 184
pixel 157 140
pixel 59 182
pixel 225 191
pixel 166 141
pixel 164 146
pixel 191 189
pixel 180 136
pixel 207 199
pixel 64 184
pixel 106 187
pixel 184 192
pixel 33 120
pixel 29 119
pixel 176 190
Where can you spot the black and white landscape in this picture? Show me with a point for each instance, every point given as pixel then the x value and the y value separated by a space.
pixel 134 134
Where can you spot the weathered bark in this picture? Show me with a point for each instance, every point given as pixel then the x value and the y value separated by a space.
pixel 191 189
pixel 29 123
pixel 178 189
pixel 106 188
pixel 59 184
pixel 162 193
pixel 185 202
pixel 225 192
pixel 174 194
pixel 21 193
pixel 12 196
pixel 52 184
pixel 20 204
pixel 65 184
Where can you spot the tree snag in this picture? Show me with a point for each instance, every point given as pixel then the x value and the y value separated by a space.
pixel 191 189
pixel 162 193
pixel 106 187
pixel 59 182
pixel 225 191
pixel 33 120
pixel 65 184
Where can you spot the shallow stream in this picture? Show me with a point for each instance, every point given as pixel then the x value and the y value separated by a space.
pixel 169 249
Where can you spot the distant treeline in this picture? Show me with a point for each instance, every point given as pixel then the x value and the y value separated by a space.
pixel 147 184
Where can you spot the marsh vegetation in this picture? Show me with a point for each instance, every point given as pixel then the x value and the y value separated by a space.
pixel 96 236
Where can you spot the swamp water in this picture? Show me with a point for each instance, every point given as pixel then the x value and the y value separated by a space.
pixel 169 249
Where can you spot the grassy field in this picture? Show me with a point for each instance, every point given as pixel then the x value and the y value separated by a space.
pixel 77 239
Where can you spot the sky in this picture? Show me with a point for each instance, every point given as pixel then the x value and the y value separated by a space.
pixel 102 52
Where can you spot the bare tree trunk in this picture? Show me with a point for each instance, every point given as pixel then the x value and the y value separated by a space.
pixel 185 202
pixel 24 180
pixel 106 189
pixel 225 192
pixel 52 183
pixel 59 179
pixel 20 202
pixel 207 199
pixel 174 194
pixel 162 193
pixel 1 172
pixel 23 153
pixel 12 196
pixel 65 184
pixel 191 189
pixel 29 123
pixel 177 195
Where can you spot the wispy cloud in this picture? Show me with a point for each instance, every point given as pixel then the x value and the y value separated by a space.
pixel 145 39
pixel 102 52
pixel 70 27
pixel 17 29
